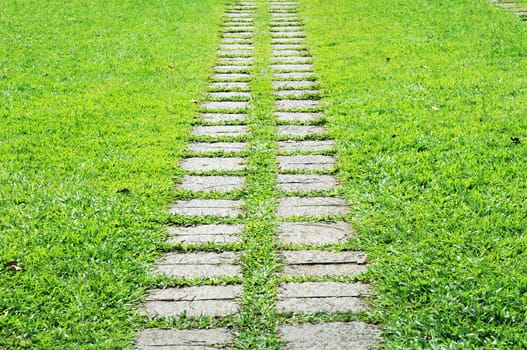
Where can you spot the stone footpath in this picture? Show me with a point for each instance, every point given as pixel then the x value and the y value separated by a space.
pixel 305 166
pixel 512 6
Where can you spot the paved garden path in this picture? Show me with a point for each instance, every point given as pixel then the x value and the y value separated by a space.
pixel 260 212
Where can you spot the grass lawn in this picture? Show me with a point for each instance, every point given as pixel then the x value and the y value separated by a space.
pixel 95 106
pixel 427 100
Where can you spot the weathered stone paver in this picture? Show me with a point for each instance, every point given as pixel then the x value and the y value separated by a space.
pixel 212 183
pixel 199 264
pixel 296 104
pixel 293 75
pixel 322 263
pixel 212 207
pixel 306 183
pixel 300 130
pixel 298 116
pixel 308 145
pixel 306 162
pixel 223 117
pixel 225 105
pixel 199 234
pixel 180 339
pixel 220 130
pixel 311 206
pixel 296 93
pixel 293 84
pixel 201 164
pixel 228 147
pixel 317 233
pixel 230 85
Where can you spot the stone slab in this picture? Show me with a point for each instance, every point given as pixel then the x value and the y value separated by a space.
pixel 322 263
pixel 236 40
pixel 200 164
pixel 237 46
pixel 212 207
pixel 297 104
pixel 311 206
pixel 292 59
pixel 286 94
pixel 292 67
pixel 237 34
pixel 223 117
pixel 214 301
pixel 184 339
pixel 293 75
pixel 227 147
pixel 230 85
pixel 287 47
pixel 298 116
pixel 200 234
pixel 307 297
pixel 277 52
pixel 234 53
pixel 225 105
pixel 300 130
pixel 288 35
pixel 306 183
pixel 314 233
pixel 221 95
pixel 212 183
pixel 293 84
pixel 306 162
pixel 330 336
pixel 231 68
pixel 220 130
pixel 288 41
pixel 230 76
pixel 199 264
pixel 239 28
pixel 307 145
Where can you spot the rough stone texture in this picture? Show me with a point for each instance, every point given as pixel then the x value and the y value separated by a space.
pixel 237 46
pixel 293 84
pixel 311 206
pixel 297 104
pixel 314 233
pixel 298 116
pixel 323 263
pixel 300 130
pixel 220 95
pixel 293 75
pixel 230 85
pixel 225 105
pixel 231 68
pixel 306 162
pixel 285 94
pixel 199 234
pixel 330 336
pixel 292 59
pixel 228 147
pixel 212 183
pixel 211 301
pixel 321 297
pixel 292 67
pixel 231 76
pixel 199 264
pixel 213 163
pixel 300 182
pixel 223 117
pixel 289 52
pixel 212 207
pixel 181 339
pixel 220 130
pixel 310 146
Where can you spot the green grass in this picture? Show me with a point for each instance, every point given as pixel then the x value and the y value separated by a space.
pixel 95 107
pixel 426 100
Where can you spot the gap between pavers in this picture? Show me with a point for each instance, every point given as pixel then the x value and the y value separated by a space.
pixel 306 162
pixel 181 339
pixel 202 164
pixel 318 263
pixel 199 264
pixel 208 207
pixel 311 206
pixel 305 183
pixel 314 233
pixel 201 234
pixel 228 147
pixel 209 183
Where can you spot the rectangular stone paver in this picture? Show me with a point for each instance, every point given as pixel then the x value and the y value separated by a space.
pixel 220 130
pixel 231 76
pixel 314 233
pixel 199 264
pixel 330 336
pixel 225 105
pixel 180 339
pixel 308 145
pixel 228 147
pixel 220 95
pixel 211 301
pixel 300 130
pixel 292 67
pixel 306 183
pixel 322 263
pixel 293 84
pixel 212 183
pixel 298 116
pixel 292 59
pixel 199 234
pixel 223 117
pixel 311 206
pixel 202 164
pixel 293 75
pixel 285 94
pixel 230 85
pixel 232 68
pixel 297 104
pixel 306 297
pixel 306 162
pixel 212 207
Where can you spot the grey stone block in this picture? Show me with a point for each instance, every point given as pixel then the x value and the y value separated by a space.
pixel 287 47
pixel 225 105
pixel 228 147
pixel 300 130
pixel 301 182
pixel 293 75
pixel 315 233
pixel 286 94
pixel 288 41
pixel 323 263
pixel 292 67
pixel 212 207
pixel 231 68
pixel 236 40
pixel 237 34
pixel 230 85
pixel 306 162
pixel 309 297
pixel 247 28
pixel 289 52
pixel 292 59
pixel 237 46
pixel 296 104
pixel 293 84
pixel 231 76
pixel 181 339
pixel 234 53
pixel 298 116
pixel 211 301
pixel 330 336
pixel 223 117
pixel 219 95
pixel 199 264
pixel 311 146
pixel 220 130
pixel 212 183
pixel 311 206
pixel 200 234
pixel 288 35
pixel 200 164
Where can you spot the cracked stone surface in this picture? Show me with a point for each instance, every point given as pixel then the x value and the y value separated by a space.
pixel 212 183
pixel 292 67
pixel 223 117
pixel 199 264
pixel 306 297
pixel 306 162
pixel 293 84
pixel 228 147
pixel 330 336
pixel 220 130
pixel 315 233
pixel 230 85
pixel 297 93
pixel 311 206
pixel 301 182
pixel 323 263
pixel 212 207
pixel 211 301
pixel 179 339
pixel 300 130
pixel 231 76
pixel 297 104
pixel 308 145
pixel 199 234
pixel 213 163
pixel 225 105
pixel 298 116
